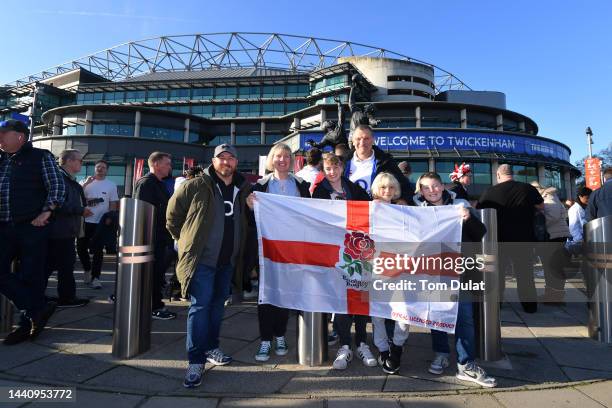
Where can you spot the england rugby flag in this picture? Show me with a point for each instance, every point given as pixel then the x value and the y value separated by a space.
pixel 359 257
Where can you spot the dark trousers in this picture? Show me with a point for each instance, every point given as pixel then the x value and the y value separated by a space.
pixel 343 324
pixel 272 321
pixel 61 258
pixel 554 259
pixel 83 247
pixel 162 262
pixel 520 255
pixel 28 245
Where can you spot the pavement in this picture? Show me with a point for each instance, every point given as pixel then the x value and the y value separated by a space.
pixel 550 361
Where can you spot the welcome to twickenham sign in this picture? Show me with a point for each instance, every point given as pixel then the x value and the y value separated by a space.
pixel 416 139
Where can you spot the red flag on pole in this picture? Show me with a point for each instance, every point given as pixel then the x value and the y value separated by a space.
pixel 592 173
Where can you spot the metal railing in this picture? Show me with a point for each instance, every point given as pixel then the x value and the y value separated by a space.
pixel 133 288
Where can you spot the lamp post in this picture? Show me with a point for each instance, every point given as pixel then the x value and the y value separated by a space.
pixel 33 111
pixel 589 134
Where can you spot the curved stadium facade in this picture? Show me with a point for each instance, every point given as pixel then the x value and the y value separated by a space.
pixel 186 94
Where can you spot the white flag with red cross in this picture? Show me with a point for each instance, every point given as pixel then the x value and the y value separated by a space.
pixel 339 256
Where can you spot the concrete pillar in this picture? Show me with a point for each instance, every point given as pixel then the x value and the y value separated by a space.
pixel 542 175
pixel 463 118
pixel 233 133
pixel 88 121
pixel 432 164
pixel 494 167
pixel 522 126
pixel 186 134
pixel 57 125
pixel 499 120
pixel 297 123
pixel 137 120
pixel 417 115
pixel 323 115
pixel 567 183
pixel 262 132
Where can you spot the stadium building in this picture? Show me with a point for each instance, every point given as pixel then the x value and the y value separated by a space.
pixel 186 94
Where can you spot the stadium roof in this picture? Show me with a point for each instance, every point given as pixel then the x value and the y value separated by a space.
pixel 199 52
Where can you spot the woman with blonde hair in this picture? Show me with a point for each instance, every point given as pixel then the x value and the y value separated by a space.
pixel 386 189
pixel 273 319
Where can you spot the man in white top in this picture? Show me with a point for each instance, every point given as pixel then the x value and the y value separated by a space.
pixel 313 166
pixel 101 196
pixel 577 213
pixel 368 161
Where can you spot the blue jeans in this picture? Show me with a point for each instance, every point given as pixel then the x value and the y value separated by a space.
pixel 208 290
pixel 464 335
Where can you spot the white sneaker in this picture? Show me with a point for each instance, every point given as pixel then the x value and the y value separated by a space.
pixel 95 284
pixel 366 356
pixel 473 373
pixel 87 277
pixel 344 356
pixel 439 363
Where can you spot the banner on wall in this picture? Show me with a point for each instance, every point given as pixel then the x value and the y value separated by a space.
pixel 592 173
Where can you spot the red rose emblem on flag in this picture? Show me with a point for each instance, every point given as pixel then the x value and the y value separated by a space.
pixel 359 246
pixel 359 249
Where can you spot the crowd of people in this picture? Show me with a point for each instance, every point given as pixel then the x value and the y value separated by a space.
pixel 206 226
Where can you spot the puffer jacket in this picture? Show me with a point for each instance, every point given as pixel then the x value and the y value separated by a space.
pixel 555 213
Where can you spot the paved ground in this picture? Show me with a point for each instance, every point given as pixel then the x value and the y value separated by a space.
pixel 550 362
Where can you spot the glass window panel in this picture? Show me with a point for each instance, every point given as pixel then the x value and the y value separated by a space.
pixel 220 140
pixel 202 110
pixel 179 94
pixel 202 93
pixel 135 96
pixel 225 111
pixel 250 92
pixel 247 139
pixel 273 109
pixel 225 93
pixel 249 109
pixel 273 138
pixel 296 106
pixel 194 137
pixel 98 129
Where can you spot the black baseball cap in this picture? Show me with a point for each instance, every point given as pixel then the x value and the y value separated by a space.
pixel 14 125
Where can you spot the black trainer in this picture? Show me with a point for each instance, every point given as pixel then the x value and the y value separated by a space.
pixel 20 334
pixel 392 365
pixel 383 357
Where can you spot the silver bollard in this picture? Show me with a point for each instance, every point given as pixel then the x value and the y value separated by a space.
pixel 132 323
pixel 312 338
pixel 489 326
pixel 598 245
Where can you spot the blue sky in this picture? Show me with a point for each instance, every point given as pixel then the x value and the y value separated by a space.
pixel 552 59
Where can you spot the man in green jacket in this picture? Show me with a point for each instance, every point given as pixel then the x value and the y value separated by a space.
pixel 208 219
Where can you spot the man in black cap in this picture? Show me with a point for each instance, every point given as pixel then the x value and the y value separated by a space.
pixel 207 217
pixel 31 188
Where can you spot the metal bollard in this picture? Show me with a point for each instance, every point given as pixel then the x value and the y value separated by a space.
pixel 598 244
pixel 488 324
pixel 132 323
pixel 312 338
